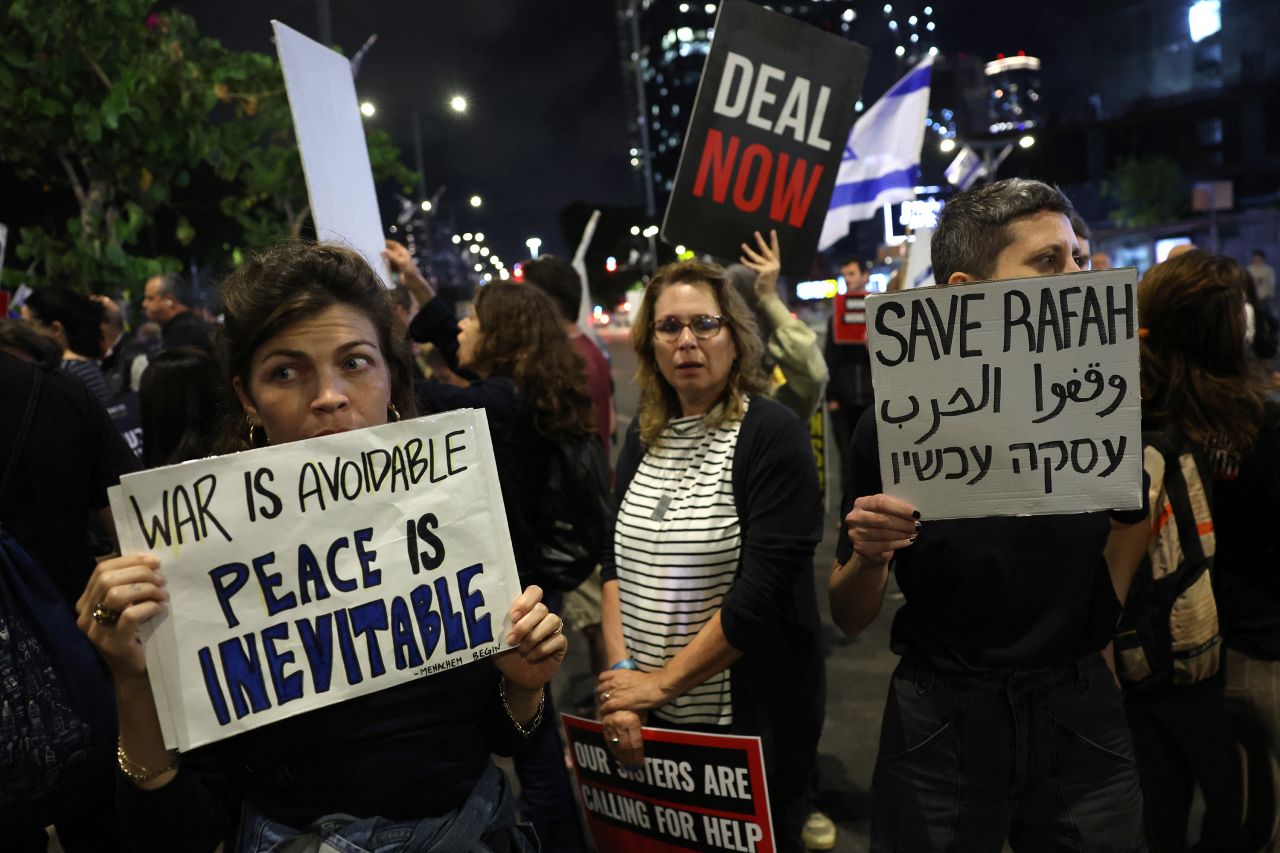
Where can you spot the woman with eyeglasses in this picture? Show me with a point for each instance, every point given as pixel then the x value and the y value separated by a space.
pixel 709 612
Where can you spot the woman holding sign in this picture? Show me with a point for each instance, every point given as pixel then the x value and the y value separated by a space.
pixel 709 611
pixel 310 350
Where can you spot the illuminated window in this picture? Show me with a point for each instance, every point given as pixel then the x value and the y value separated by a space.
pixel 1204 18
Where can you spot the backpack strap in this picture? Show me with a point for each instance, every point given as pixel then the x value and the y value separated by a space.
pixel 23 429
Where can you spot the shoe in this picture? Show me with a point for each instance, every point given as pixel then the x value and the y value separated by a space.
pixel 819 832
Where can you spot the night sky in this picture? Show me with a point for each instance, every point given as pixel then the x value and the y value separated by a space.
pixel 548 124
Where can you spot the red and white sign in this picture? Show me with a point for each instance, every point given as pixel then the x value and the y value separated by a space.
pixel 850 318
pixel 694 792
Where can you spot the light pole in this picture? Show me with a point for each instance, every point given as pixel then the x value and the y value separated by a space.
pixel 534 244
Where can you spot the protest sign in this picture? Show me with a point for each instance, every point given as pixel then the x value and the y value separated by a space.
pixel 1009 397
pixel 309 573
pixel 919 272
pixel 849 317
pixel 694 792
pixel 335 157
pixel 768 129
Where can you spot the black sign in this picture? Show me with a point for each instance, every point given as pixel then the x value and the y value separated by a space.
pixel 769 126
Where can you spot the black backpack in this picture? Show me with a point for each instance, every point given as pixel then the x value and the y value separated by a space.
pixel 1168 636
pixel 575 511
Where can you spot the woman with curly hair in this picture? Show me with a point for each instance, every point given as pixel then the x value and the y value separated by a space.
pixel 709 611
pixel 532 385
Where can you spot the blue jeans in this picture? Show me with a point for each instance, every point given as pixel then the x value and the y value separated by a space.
pixel 485 823
pixel 1041 757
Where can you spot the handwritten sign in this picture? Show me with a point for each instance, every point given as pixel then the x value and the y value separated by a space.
pixel 769 126
pixel 309 573
pixel 1010 397
pixel 694 792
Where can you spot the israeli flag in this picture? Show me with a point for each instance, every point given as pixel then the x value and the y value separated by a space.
pixel 881 163
pixel 965 169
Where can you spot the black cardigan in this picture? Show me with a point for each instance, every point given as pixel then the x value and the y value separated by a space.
pixel 770 613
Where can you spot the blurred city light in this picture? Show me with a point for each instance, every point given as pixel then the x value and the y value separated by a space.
pixel 367 109
pixel 458 104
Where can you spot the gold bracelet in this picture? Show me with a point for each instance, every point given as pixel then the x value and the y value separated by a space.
pixel 137 772
pixel 537 717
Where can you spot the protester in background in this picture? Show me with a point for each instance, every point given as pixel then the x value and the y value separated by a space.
pixel 179 401
pixel 1197 377
pixel 532 387
pixel 1264 280
pixel 790 345
pixel 21 340
pixel 147 341
pixel 1099 261
pixel 710 618
pixel 1003 720
pixel 434 367
pixel 75 322
pixel 798 377
pixel 558 279
pixel 71 456
pixel 113 344
pixel 310 347
pixel 168 300
pixel 849 366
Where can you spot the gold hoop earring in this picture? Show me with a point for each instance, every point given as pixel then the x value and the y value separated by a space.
pixel 393 413
pixel 249 437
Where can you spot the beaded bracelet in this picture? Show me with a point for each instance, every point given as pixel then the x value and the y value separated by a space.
pixel 537 717
pixel 137 772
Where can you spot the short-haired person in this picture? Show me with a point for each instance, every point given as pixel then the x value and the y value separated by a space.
pixel 710 616
pixel 168 299
pixel 1003 720
pixel 1084 238
pixel 848 369
pixel 75 322
pixel 311 348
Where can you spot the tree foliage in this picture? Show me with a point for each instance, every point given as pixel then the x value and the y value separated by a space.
pixel 1147 191
pixel 121 110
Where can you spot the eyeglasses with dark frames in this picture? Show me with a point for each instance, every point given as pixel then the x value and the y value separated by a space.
pixel 703 326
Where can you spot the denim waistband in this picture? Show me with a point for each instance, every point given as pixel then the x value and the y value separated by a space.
pixel 1000 682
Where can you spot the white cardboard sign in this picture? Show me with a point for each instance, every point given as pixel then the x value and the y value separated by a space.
pixel 1012 397
pixel 309 573
pixel 335 157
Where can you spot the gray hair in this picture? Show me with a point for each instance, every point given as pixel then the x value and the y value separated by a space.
pixel 973 228
pixel 174 285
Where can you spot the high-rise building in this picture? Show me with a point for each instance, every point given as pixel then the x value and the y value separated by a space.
pixel 665 44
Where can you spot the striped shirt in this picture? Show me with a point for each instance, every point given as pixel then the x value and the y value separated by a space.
pixel 90 374
pixel 677 546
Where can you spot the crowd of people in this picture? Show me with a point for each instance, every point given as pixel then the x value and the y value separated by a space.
pixel 1033 703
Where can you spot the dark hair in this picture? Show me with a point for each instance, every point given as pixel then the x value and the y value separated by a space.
pixel 1079 226
pixel 1196 374
pixel 973 228
pixel 295 280
pixel 174 285
pixel 42 349
pixel 559 280
pixel 178 397
pixel 1260 254
pixel 401 297
pixel 659 402
pixel 862 265
pixel 80 316
pixel 522 337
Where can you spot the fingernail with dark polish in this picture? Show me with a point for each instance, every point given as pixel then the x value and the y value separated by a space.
pixel 918 526
pixel 913 538
pixel 915 513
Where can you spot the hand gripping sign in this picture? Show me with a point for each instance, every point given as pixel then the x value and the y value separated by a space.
pixel 309 573
pixel 1009 397
pixel 693 792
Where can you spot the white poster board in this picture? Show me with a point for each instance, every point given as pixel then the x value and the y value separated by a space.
pixel 1009 397
pixel 309 573
pixel 919 271
pixel 335 157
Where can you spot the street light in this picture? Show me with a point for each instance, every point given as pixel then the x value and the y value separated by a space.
pixel 456 239
pixel 635 230
pixel 426 205
pixel 534 244
pixel 946 146
pixel 367 109
pixel 1027 141
pixel 476 201
pixel 651 231
pixel 479 236
pixel 458 104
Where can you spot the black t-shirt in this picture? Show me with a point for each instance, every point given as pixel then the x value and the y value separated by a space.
pixel 72 455
pixel 1247 562
pixel 993 593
